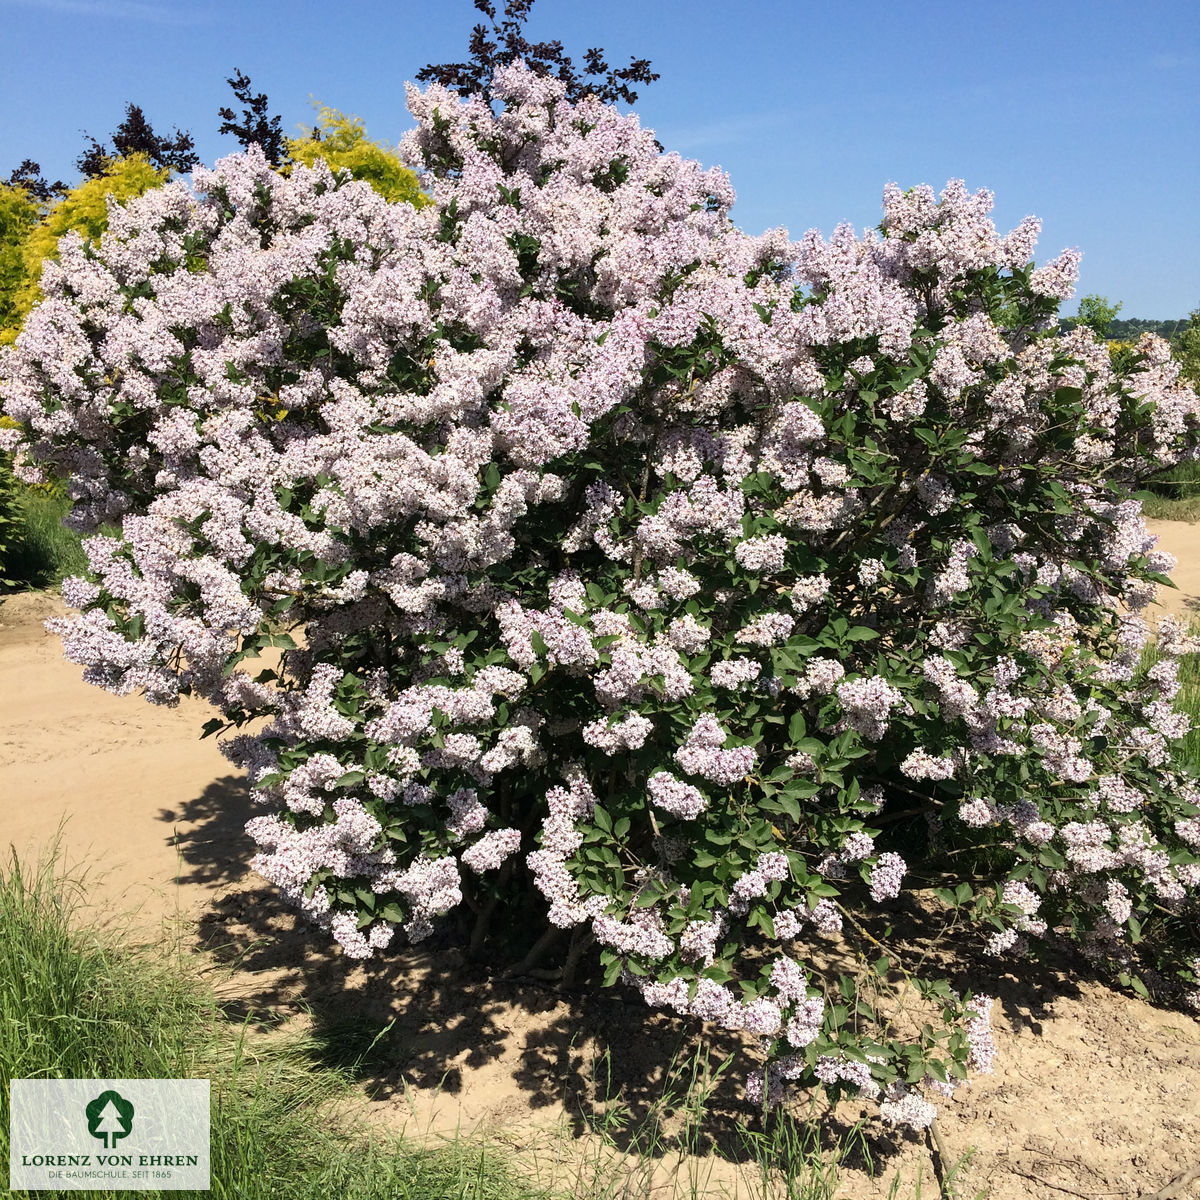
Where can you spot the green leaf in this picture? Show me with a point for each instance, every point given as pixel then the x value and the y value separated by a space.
pixel 860 633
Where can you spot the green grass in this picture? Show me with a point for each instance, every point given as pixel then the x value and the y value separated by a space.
pixel 42 551
pixel 1188 700
pixel 73 1004
pixel 1174 495
pixel 1181 482
pixel 1162 508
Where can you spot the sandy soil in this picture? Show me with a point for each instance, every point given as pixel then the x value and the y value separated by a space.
pixel 1094 1093
pixel 1183 541
pixel 132 786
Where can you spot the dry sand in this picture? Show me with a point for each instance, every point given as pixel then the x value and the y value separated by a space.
pixel 1094 1093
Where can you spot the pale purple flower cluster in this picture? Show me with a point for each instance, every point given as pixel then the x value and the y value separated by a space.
pixel 845 1070
pixel 808 591
pixel 762 554
pixel 789 980
pixel 768 630
pixel 620 736
pixel 769 868
pixel 870 571
pixel 886 876
pixel 638 937
pixel 920 764
pixel 560 837
pixel 674 796
pixel 491 850
pixel 868 704
pixel 702 754
pixel 700 939
pixel 903 1106
pixel 806 1020
pixel 980 1039
pixel 734 673
pixel 820 677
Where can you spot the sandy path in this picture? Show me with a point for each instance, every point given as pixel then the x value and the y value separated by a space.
pixel 1094 1092
pixel 132 784
pixel 1182 540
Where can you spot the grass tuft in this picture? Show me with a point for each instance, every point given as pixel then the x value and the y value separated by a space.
pixel 1188 700
pixel 42 550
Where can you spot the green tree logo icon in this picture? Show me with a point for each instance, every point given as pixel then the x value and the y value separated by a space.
pixel 109 1116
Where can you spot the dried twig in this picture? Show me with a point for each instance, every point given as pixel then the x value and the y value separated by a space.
pixel 1062 1187
pixel 940 1161
pixel 1172 1189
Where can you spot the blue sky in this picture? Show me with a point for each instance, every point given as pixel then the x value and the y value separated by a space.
pixel 1087 114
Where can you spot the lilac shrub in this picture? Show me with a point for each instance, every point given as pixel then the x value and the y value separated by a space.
pixel 722 593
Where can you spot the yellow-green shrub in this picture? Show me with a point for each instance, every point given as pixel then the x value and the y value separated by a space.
pixel 19 216
pixel 341 141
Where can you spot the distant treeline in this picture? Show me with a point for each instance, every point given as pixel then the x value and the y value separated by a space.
pixel 1121 329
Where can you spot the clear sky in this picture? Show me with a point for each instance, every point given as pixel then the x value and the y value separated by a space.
pixel 1085 112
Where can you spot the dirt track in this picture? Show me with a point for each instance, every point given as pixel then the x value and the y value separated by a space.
pixel 1095 1093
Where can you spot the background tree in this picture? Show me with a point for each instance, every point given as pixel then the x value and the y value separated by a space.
pixel 1096 314
pixel 29 176
pixel 20 213
pixel 1189 348
pixel 1132 328
pixel 255 127
pixel 507 42
pixel 342 143
pixel 135 135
